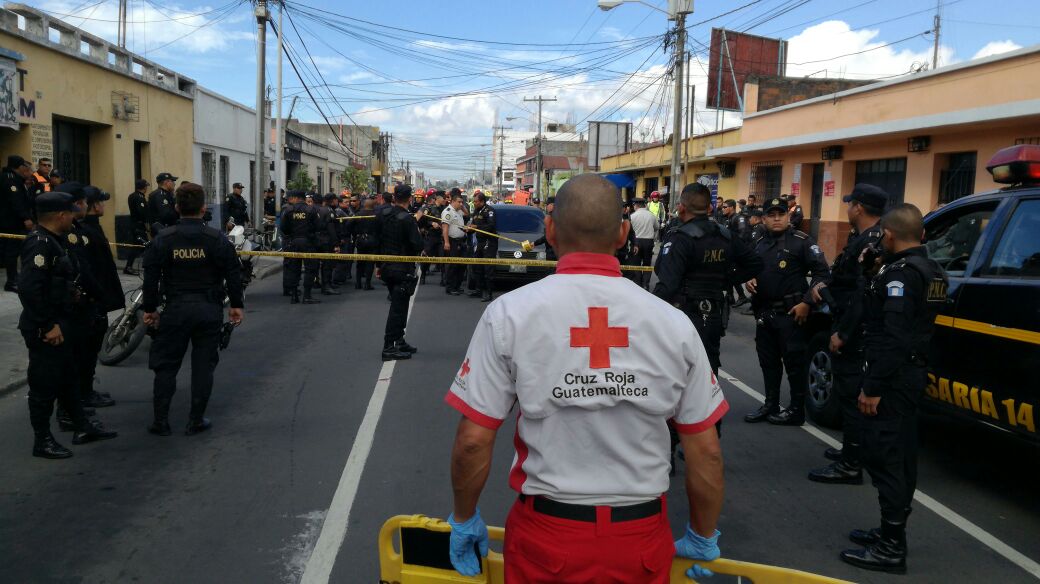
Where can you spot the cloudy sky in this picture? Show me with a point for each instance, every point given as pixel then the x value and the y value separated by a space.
pixel 439 75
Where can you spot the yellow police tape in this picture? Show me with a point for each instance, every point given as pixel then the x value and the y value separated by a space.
pixel 417 531
pixel 369 257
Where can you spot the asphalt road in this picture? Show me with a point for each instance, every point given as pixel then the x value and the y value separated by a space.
pixel 246 502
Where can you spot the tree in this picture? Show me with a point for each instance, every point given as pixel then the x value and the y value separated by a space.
pixel 301 182
pixel 355 179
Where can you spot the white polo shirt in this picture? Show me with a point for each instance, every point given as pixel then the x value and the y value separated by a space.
pixel 598 366
pixel 455 222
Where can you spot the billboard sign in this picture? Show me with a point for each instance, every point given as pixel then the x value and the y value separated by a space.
pixel 607 139
pixel 735 56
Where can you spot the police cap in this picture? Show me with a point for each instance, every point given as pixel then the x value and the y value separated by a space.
pixel 868 195
pixel 55 173
pixel 14 161
pixel 95 195
pixel 164 176
pixel 550 201
pixel 775 203
pixel 295 194
pixel 238 186
pixel 73 189
pixel 331 197
pixel 54 202
pixel 139 184
pixel 756 212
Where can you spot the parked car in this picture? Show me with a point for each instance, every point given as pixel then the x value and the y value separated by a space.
pixel 986 347
pixel 520 223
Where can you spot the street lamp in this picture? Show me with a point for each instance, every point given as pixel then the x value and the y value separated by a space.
pixel 677 11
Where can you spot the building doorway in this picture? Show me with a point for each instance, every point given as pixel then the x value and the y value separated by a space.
pixel 72 150
pixel 816 200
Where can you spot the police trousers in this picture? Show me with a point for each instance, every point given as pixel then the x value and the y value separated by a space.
pixel 487 248
pixel 341 271
pixel 889 449
pixel 292 266
pixel 645 257
pixel 455 272
pixel 87 346
pixel 363 273
pixel 781 344
pixel 52 376
pixel 181 322
pixel 401 282
pixel 433 246
pixel 708 318
pixel 847 375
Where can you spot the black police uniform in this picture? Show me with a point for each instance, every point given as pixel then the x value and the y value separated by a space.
pixel 400 237
pixel 797 216
pixel 788 258
pixel 15 210
pixel 269 207
pixel 326 238
pixel 50 294
pixel 341 222
pixel 847 287
pixel 138 204
pixel 738 224
pixel 195 265
pixel 698 262
pixel 235 207
pixel 162 210
pixel 900 306
pixel 433 240
pixel 299 225
pixel 366 240
pixel 487 248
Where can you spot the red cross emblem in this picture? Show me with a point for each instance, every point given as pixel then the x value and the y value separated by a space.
pixel 465 369
pixel 599 337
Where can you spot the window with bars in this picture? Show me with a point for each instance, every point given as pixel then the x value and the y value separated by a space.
pixel 764 181
pixel 225 172
pixel 888 174
pixel 209 174
pixel 958 178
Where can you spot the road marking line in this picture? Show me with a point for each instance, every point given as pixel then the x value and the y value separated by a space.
pixel 989 540
pixel 334 528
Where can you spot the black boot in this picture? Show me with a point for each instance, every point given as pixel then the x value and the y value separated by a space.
pixel 160 428
pixel 368 284
pixel 357 284
pixel 308 299
pixel 391 352
pixel 197 426
pixel 45 446
pixel 865 537
pixel 832 454
pixel 486 296
pixel 403 345
pixel 92 432
pixel 161 416
pixel 887 555
pixel 837 473
pixel 329 291
pixel 771 406
pixel 96 400
pixel 65 423
pixel 295 296
pixel 792 416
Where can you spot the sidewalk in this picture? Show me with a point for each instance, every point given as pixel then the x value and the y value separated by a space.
pixel 14 357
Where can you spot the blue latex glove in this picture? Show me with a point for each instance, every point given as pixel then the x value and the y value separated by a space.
pixel 463 536
pixel 695 547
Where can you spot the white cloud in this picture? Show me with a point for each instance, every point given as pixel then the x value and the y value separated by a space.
pixel 172 29
pixel 995 48
pixel 826 49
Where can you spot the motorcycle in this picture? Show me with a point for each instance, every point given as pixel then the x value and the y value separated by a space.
pixel 238 237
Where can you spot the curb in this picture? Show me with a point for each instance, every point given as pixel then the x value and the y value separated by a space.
pixel 13 386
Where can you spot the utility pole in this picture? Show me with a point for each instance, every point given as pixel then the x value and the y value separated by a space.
pixel 122 24
pixel 935 31
pixel 261 53
pixel 677 125
pixel 279 138
pixel 538 138
pixel 501 154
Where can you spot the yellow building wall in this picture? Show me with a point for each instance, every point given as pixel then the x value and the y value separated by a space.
pixel 63 87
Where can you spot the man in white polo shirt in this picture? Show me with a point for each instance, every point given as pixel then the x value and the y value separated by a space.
pixel 597 367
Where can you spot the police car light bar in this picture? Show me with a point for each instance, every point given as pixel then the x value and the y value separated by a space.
pixel 1016 165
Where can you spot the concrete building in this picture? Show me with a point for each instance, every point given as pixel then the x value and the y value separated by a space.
pixel 646 169
pixel 558 157
pixel 338 148
pixel 925 138
pixel 225 148
pixel 509 145
pixel 105 116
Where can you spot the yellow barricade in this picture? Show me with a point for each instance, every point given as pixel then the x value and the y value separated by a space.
pixel 413 549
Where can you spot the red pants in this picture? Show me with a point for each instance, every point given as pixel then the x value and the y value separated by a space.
pixel 541 548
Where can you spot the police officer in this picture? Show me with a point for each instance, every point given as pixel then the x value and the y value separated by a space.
pixel 782 300
pixel 796 211
pixel 366 240
pixel 340 219
pixel 51 301
pixel 550 253
pixel 138 203
pixel 102 268
pixel 270 208
pixel 327 240
pixel 399 237
pixel 195 265
pixel 235 206
pixel 161 204
pixel 486 248
pixel 865 205
pixel 453 236
pixel 299 226
pixel 900 307
pixel 15 214
pixel 430 229
pixel 698 263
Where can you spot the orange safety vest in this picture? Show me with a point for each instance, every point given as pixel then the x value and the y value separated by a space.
pixel 43 181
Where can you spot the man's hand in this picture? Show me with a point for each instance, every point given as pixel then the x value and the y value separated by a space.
pixel 836 344
pixel 235 315
pixel 54 337
pixel 447 246
pixel 693 546
pixel 868 405
pixel 28 224
pixel 464 536
pixel 151 319
pixel 751 286
pixel 800 312
pixel 816 292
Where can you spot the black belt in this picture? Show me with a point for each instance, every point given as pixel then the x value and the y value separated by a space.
pixel 587 513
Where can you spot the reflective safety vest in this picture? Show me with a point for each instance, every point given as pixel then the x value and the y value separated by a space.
pixel 655 209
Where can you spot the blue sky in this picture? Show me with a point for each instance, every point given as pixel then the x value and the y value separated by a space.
pixel 409 83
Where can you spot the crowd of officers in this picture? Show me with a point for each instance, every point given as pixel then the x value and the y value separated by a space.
pixel 882 292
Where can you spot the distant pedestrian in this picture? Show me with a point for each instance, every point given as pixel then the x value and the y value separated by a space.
pixel 138 204
pixel 399 237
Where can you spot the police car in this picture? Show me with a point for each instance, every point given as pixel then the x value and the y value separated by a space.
pixel 984 361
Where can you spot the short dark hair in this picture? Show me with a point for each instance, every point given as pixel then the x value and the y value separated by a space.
pixel 480 197
pixel 696 198
pixel 402 193
pixel 44 159
pixel 870 209
pixel 190 198
pixel 904 221
pixel 730 203
pixel 387 198
pixel 456 196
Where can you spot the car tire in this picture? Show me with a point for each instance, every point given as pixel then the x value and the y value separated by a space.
pixel 822 401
